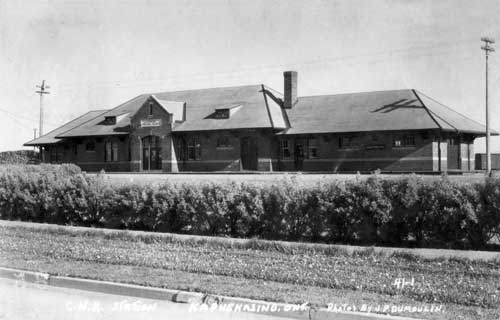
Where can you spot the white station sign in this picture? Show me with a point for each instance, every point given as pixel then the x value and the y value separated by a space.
pixel 150 123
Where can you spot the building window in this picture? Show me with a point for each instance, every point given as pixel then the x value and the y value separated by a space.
pixel 409 140
pixel 194 148
pixel 348 142
pixel 110 120
pixel 150 108
pixel 56 154
pixel 221 114
pixel 397 142
pixel 90 146
pixel 285 149
pixel 312 145
pixel 404 141
pixel 53 154
pixel 224 142
pixel 111 151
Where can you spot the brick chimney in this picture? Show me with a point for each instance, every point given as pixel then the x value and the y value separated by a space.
pixel 290 89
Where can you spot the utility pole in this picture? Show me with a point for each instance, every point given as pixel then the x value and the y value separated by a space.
pixel 42 90
pixel 487 49
pixel 34 137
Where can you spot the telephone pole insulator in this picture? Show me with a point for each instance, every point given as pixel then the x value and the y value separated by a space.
pixel 487 49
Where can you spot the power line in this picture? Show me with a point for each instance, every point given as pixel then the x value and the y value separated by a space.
pixel 24 117
pixel 373 60
pixel 10 115
pixel 412 50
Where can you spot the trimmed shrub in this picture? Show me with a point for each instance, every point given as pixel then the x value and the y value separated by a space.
pixel 483 222
pixel 18 156
pixel 401 212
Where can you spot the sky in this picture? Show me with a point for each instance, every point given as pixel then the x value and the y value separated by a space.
pixel 98 54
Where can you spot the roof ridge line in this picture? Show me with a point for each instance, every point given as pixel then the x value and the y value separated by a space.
pixel 156 99
pixel 199 89
pixel 271 122
pixel 444 120
pixel 121 104
pixel 268 88
pixel 449 108
pixel 350 93
pixel 159 101
pixel 428 111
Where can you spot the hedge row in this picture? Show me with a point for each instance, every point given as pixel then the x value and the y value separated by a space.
pixel 404 211
pixel 17 157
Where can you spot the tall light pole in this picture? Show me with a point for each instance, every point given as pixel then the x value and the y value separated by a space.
pixel 487 49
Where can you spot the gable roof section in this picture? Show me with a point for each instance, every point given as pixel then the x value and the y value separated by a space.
pixel 95 127
pixel 200 104
pixel 50 137
pixel 176 108
pixel 375 111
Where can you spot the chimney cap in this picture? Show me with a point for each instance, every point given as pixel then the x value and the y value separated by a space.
pixel 289 71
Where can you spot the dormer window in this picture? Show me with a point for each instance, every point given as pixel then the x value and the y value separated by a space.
pixel 110 120
pixel 225 112
pixel 221 114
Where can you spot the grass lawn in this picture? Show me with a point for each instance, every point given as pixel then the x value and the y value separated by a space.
pixel 467 286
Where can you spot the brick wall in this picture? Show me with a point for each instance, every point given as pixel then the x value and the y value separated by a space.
pixel 75 151
pixel 164 132
pixel 129 146
pixel 466 150
pixel 480 163
pixel 224 157
pixel 374 151
pixel 95 160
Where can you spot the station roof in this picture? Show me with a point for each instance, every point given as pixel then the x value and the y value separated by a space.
pixel 200 105
pixel 257 107
pixel 393 110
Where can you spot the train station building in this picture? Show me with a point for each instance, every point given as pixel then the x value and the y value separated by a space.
pixel 256 128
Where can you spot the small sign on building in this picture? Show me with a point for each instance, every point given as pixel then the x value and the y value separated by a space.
pixel 150 123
